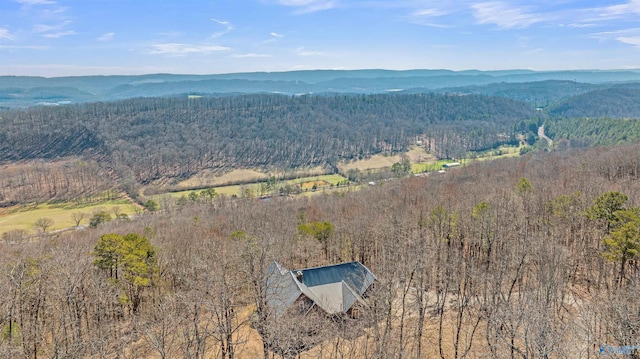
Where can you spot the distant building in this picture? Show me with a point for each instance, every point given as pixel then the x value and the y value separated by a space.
pixel 333 289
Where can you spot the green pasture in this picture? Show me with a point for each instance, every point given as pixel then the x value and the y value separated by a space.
pixel 24 217
pixel 500 152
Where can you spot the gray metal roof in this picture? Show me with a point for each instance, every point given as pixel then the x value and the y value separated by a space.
pixel 334 288
pixel 356 275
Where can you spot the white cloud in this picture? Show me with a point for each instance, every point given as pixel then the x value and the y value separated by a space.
pixel 53 31
pixel 306 53
pixel 183 49
pixel 226 24
pixel 5 34
pixel 274 37
pixel 503 15
pixel 309 6
pixel 107 36
pixel 630 7
pixel 580 26
pixel 40 28
pixel 59 34
pixel 432 12
pixel 35 2
pixel 635 30
pixel 630 40
pixel 221 22
pixel 251 55
pixel 629 36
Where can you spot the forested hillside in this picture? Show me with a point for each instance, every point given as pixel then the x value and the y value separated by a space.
pixel 148 138
pixel 584 132
pixel 24 91
pixel 616 102
pixel 539 94
pixel 535 256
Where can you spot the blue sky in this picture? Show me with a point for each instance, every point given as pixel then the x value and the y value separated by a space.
pixel 90 37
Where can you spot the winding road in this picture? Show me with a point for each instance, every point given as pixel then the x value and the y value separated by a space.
pixel 542 135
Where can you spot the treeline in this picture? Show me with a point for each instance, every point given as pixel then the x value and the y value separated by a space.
pixel 617 102
pixel 585 132
pixel 147 138
pixel 539 94
pixel 65 180
pixel 530 257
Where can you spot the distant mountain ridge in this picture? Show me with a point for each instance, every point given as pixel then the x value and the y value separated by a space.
pixel 26 91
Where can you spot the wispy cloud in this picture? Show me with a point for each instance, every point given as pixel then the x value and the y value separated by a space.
pixel 581 26
pixel 107 37
pixel 504 15
pixel 630 7
pixel 184 49
pixel 251 55
pixel 59 34
pixel 309 6
pixel 431 12
pixel 39 28
pixel 5 34
pixel 53 31
pixel 36 2
pixel 629 36
pixel 221 22
pixel 630 40
pixel 227 28
pixel 274 37
pixel 301 51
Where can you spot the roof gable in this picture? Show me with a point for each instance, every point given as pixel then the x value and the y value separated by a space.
pixel 333 288
pixel 354 274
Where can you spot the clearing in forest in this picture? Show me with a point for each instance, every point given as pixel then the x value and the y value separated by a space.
pixel 24 217
pixel 416 155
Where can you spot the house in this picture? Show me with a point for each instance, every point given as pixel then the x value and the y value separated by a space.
pixel 333 289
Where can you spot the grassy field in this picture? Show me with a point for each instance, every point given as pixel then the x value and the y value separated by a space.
pixel 24 217
pixel 374 162
pixel 416 155
pixel 207 178
pixel 500 152
pixel 254 189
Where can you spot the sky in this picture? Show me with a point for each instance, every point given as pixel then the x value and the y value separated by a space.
pixel 116 37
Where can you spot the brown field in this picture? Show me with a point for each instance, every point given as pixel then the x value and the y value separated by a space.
pixel 415 155
pixel 208 178
pixel 318 184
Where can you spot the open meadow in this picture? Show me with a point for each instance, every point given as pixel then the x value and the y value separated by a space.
pixel 61 214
